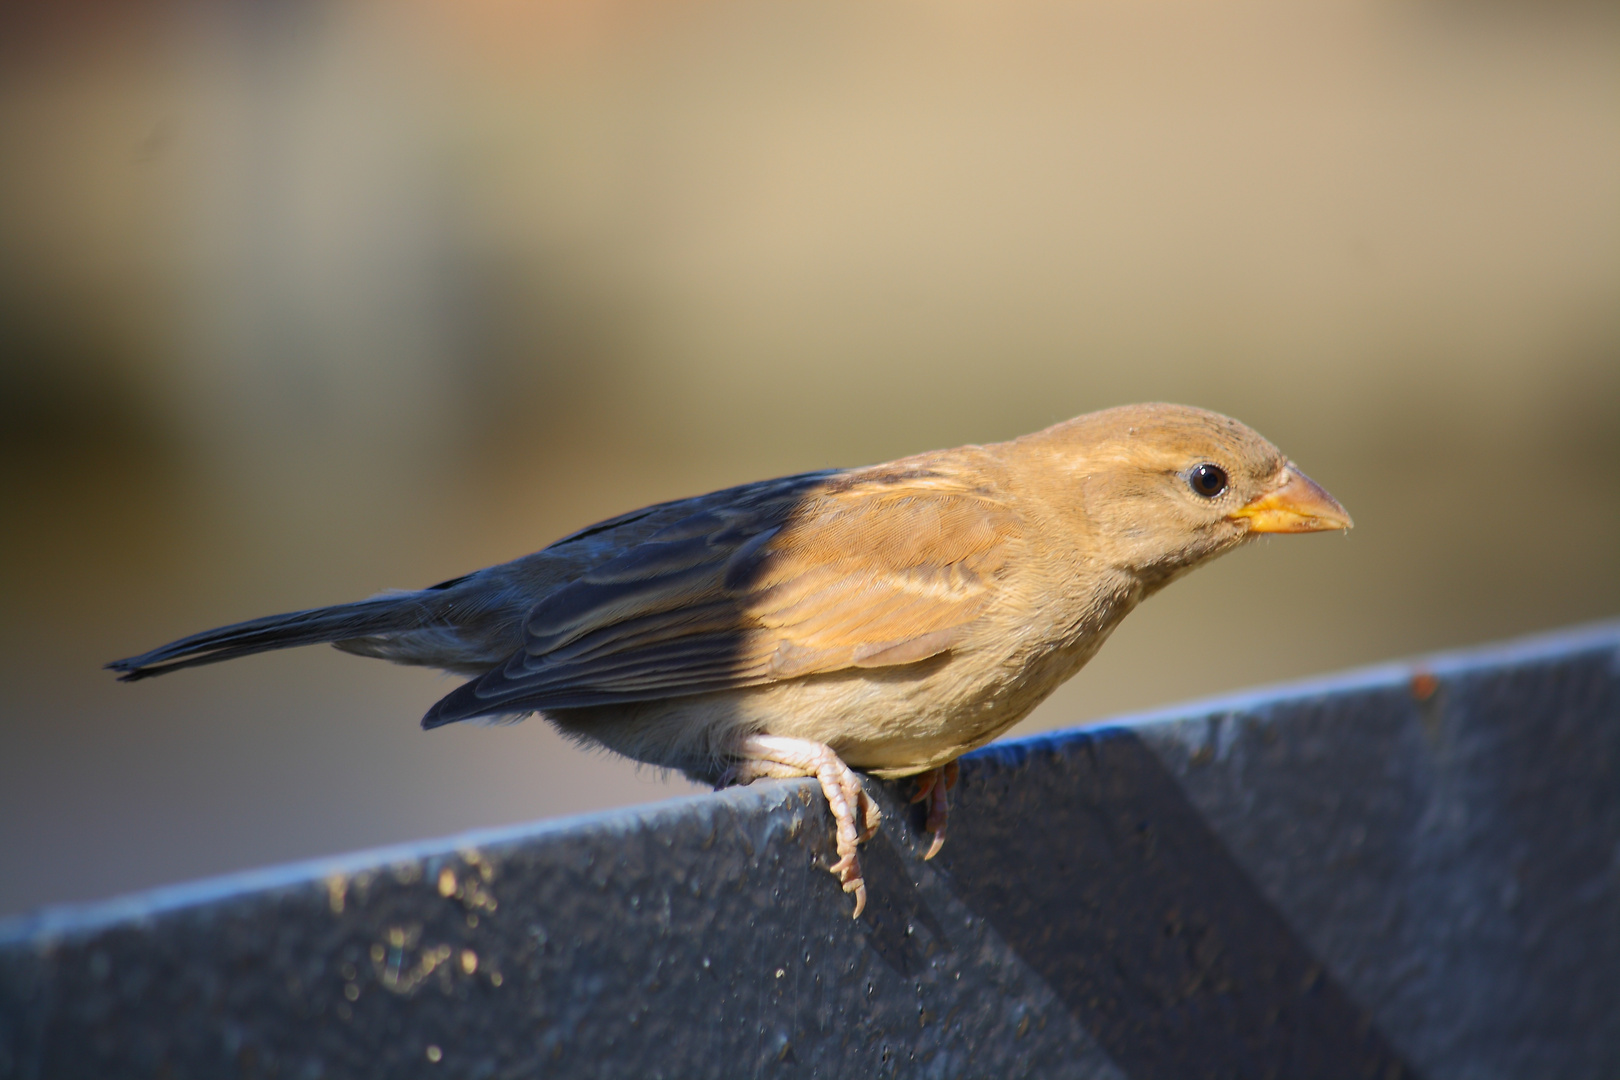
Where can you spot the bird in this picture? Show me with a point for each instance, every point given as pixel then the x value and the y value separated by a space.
pixel 886 619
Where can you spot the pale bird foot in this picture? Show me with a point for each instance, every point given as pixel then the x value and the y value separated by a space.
pixel 935 785
pixel 781 758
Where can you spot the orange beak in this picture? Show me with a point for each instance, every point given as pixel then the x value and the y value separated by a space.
pixel 1296 505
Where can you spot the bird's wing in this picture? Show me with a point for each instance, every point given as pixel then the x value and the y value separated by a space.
pixel 867 569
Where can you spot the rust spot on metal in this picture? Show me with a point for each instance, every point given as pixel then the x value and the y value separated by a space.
pixel 1424 685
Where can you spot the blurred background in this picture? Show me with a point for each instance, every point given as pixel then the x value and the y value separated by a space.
pixel 304 300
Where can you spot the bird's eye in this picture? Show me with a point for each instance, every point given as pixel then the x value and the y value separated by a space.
pixel 1207 480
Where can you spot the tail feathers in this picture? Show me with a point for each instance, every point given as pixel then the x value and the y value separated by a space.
pixel 380 615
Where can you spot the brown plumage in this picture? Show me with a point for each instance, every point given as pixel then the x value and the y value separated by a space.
pixel 889 618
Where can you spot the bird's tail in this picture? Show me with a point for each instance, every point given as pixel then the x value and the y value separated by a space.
pixel 344 622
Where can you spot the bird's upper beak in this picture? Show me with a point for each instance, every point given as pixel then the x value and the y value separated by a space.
pixel 1296 504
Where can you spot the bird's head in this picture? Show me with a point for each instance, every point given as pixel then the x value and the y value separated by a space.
pixel 1163 488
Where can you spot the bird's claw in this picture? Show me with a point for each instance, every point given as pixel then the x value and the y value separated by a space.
pixel 770 755
pixel 935 785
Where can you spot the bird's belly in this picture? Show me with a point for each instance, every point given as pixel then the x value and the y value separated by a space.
pixel 898 722
pixel 891 722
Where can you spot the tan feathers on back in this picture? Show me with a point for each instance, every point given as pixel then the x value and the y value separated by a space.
pixel 863 569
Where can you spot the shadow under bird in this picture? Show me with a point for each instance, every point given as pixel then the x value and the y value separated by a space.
pixel 888 618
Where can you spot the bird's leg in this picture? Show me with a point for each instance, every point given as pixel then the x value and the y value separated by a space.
pixel 775 756
pixel 935 785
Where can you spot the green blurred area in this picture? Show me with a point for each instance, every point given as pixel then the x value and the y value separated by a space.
pixel 301 301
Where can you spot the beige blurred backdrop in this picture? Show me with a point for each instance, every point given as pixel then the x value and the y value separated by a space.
pixel 300 301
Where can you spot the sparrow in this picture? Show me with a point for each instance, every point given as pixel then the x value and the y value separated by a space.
pixel 888 618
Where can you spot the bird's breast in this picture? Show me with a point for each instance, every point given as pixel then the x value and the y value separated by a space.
pixel 904 720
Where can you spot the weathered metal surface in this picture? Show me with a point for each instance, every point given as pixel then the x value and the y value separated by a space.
pixel 1409 871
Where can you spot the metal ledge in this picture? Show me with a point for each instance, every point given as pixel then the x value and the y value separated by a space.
pixel 1407 871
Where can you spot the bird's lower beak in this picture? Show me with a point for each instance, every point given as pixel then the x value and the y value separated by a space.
pixel 1296 505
